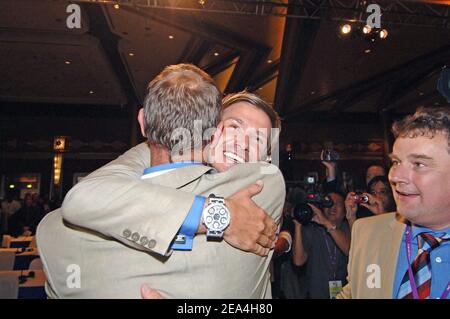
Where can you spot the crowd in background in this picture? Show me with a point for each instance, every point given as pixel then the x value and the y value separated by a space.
pixel 311 255
pixel 20 217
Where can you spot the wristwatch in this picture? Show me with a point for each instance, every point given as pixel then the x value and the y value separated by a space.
pixel 216 217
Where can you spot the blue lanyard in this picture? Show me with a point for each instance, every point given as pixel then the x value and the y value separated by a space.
pixel 163 167
pixel 412 281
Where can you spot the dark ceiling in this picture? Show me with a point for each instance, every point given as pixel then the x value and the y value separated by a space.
pixel 301 63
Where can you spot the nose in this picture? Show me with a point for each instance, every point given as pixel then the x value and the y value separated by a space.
pixel 398 174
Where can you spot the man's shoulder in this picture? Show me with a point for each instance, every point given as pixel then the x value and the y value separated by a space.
pixel 377 225
pixel 259 170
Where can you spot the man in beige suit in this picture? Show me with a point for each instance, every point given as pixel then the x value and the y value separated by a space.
pixel 108 268
pixel 391 255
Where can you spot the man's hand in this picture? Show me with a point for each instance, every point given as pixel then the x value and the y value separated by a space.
pixel 331 168
pixel 149 293
pixel 251 228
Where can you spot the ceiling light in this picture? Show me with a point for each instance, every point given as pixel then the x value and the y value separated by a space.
pixel 67 62
pixel 131 54
pixel 366 29
pixel 383 34
pixel 116 6
pixel 367 51
pixel 91 92
pixel 269 61
pixel 216 53
pixel 346 28
pixel 12 186
pixel 171 37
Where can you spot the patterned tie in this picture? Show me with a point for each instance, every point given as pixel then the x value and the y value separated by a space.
pixel 421 268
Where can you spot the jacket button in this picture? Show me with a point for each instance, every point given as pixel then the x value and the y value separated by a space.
pixel 144 241
pixel 126 233
pixel 152 243
pixel 135 237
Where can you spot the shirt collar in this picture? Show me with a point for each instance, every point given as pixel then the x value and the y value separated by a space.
pixel 416 230
pixel 166 167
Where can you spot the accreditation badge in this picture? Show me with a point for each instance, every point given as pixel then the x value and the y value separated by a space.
pixel 335 287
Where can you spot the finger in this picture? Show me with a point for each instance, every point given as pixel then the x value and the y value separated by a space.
pixel 264 241
pixel 149 293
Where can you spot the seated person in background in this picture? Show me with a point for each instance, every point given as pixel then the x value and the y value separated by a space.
pixel 323 247
pixel 380 198
pixel 26 219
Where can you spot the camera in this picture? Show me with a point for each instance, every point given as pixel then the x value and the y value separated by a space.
pixel 330 155
pixel 303 213
pixel 360 198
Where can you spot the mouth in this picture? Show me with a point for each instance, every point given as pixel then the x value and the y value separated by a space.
pixel 406 195
pixel 234 157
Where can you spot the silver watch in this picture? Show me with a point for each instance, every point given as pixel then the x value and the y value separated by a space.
pixel 216 217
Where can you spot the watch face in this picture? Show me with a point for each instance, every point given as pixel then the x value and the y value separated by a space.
pixel 216 217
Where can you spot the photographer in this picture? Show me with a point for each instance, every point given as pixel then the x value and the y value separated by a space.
pixel 378 200
pixel 323 246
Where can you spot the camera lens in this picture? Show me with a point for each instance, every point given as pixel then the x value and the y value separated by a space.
pixel 303 213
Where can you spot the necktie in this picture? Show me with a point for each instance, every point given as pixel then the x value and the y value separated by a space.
pixel 421 268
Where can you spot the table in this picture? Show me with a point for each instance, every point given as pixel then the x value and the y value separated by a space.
pixel 32 288
pixel 23 257
pixel 19 242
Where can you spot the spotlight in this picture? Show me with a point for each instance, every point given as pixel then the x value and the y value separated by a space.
pixel 346 28
pixel 383 34
pixel 366 29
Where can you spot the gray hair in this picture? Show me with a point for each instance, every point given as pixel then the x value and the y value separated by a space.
pixel 176 98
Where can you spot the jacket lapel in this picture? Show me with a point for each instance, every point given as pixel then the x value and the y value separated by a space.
pixel 392 243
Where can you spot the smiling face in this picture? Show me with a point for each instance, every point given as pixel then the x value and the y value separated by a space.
pixel 420 179
pixel 244 137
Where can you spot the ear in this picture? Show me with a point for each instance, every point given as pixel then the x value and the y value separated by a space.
pixel 141 121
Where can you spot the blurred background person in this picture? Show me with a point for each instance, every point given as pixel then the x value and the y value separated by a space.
pixel 322 247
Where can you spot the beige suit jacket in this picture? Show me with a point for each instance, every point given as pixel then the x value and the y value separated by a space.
pixel 114 262
pixel 373 257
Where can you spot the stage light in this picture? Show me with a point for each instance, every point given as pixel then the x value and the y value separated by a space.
pixel 12 186
pixel 383 34
pixel 366 29
pixel 346 28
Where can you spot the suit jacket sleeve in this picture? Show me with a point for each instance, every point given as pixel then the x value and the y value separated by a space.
pixel 101 200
